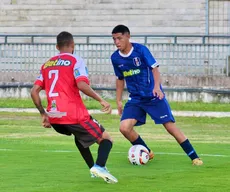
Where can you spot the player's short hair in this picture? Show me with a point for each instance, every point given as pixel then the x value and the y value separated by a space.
pixel 120 29
pixel 64 39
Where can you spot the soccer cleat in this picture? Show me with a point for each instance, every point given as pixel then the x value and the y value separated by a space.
pixel 197 162
pixel 94 176
pixel 151 155
pixel 102 172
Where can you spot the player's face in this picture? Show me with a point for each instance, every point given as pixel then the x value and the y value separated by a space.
pixel 121 40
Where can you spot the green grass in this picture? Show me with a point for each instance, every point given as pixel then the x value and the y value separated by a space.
pixel 92 104
pixel 35 159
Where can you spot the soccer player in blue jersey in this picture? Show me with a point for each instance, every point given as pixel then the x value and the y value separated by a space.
pixel 134 64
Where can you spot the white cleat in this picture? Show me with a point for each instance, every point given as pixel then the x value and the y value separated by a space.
pixel 102 172
pixel 92 175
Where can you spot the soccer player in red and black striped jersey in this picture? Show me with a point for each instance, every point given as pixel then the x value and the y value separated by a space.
pixel 62 77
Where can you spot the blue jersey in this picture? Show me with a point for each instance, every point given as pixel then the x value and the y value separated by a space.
pixel 136 68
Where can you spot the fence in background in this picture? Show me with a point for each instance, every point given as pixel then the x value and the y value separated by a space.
pixel 218 16
pixel 193 55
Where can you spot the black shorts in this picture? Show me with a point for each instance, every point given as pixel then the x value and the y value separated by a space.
pixel 87 133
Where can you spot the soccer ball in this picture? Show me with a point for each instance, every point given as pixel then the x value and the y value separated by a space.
pixel 138 155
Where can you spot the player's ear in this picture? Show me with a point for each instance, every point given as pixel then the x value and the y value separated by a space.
pixel 72 45
pixel 127 35
pixel 57 47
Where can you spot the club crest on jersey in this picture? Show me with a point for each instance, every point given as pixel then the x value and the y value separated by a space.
pixel 137 61
pixel 40 77
pixel 76 73
pixel 86 70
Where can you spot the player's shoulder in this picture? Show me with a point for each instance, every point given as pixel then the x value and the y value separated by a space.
pixel 61 59
pixel 63 56
pixel 138 46
pixel 76 56
pixel 115 54
pixel 79 59
pixel 50 62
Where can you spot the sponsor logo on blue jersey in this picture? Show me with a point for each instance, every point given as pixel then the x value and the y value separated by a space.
pixel 137 61
pixel 131 72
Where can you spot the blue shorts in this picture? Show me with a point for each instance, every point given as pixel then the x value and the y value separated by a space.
pixel 159 111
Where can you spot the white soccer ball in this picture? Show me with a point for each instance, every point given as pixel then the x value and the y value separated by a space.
pixel 138 155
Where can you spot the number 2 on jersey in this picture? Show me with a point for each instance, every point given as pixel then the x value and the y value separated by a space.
pixel 55 73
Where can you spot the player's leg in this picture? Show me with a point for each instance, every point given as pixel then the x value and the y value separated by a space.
pixel 96 133
pixel 85 152
pixel 161 113
pixel 100 169
pixel 90 132
pixel 183 141
pixel 133 115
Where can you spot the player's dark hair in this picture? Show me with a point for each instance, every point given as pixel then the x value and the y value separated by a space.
pixel 120 29
pixel 64 39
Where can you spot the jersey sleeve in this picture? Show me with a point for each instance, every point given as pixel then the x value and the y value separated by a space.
pixel 80 71
pixel 148 58
pixel 40 80
pixel 117 71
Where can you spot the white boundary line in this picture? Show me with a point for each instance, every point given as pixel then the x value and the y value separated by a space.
pixel 116 152
pixel 176 113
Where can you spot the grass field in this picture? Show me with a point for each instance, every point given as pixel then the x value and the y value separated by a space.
pixel 92 104
pixel 35 159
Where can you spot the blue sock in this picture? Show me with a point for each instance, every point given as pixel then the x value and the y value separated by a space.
pixel 139 141
pixel 188 149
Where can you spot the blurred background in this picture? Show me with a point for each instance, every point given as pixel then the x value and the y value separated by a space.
pixel 189 39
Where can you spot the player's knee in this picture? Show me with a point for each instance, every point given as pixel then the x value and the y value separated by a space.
pixel 99 141
pixel 109 139
pixel 126 126
pixel 124 130
pixel 106 136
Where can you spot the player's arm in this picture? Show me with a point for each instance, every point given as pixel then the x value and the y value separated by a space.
pixel 151 62
pixel 157 83
pixel 156 76
pixel 37 102
pixel 82 81
pixel 120 83
pixel 36 98
pixel 87 90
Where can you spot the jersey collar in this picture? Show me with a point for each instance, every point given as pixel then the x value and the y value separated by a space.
pixel 126 55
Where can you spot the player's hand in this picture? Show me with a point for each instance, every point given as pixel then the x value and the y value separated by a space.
pixel 106 108
pixel 119 108
pixel 158 93
pixel 45 121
